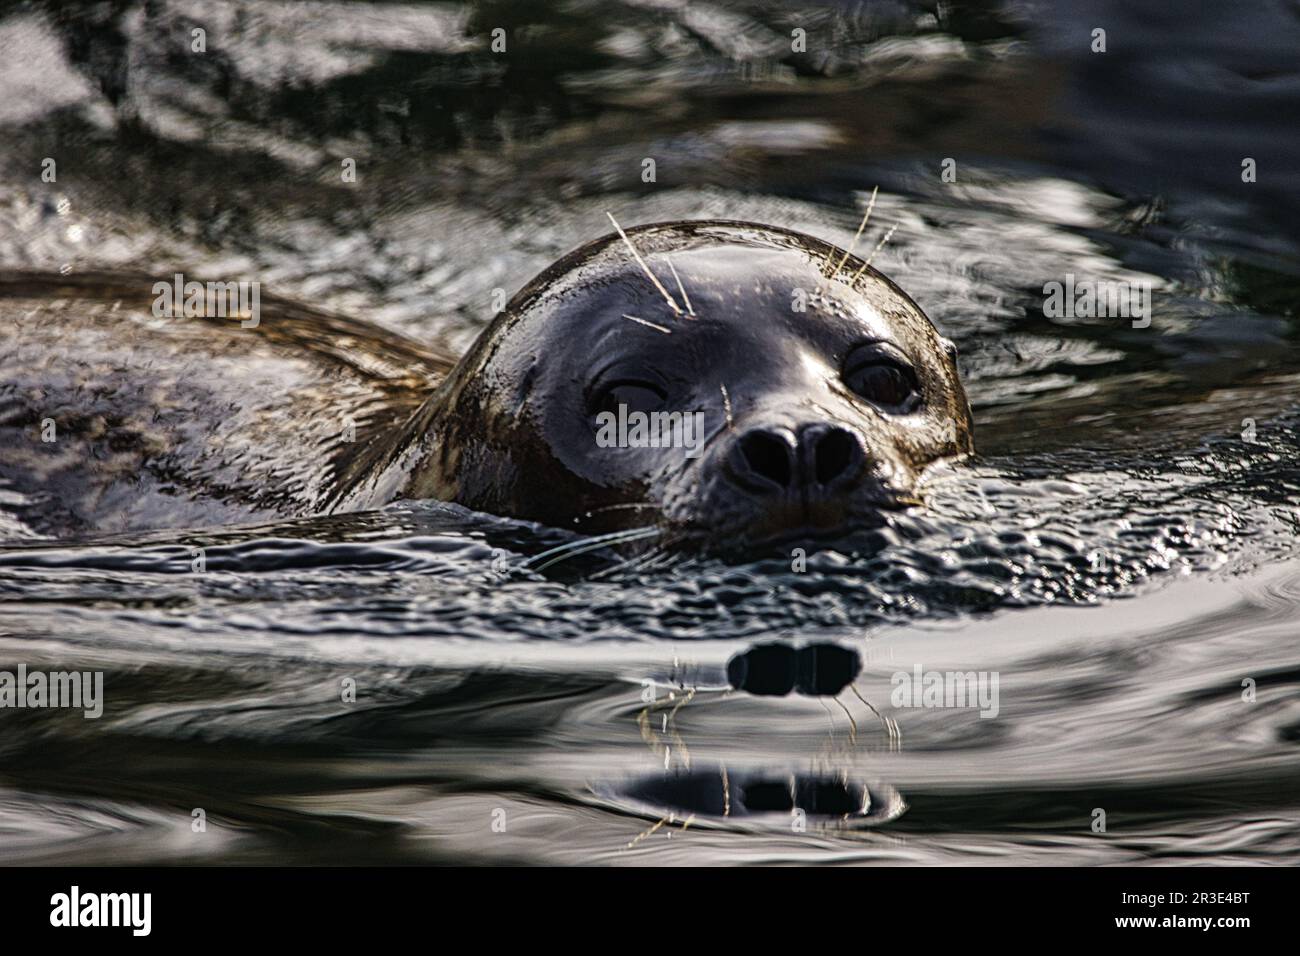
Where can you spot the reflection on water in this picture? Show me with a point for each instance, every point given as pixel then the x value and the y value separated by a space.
pixel 560 745
pixel 1122 554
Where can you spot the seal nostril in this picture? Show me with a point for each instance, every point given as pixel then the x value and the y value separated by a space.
pixel 833 455
pixel 768 456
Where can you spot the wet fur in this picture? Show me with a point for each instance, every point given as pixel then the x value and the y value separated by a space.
pixel 167 422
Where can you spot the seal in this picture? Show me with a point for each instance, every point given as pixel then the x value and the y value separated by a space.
pixel 826 392
pixel 802 391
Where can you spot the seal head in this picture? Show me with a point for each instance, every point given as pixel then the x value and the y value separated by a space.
pixel 821 392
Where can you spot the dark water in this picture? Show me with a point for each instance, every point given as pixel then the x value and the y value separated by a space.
pixel 1122 553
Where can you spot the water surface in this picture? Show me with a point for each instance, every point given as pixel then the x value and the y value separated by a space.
pixel 1122 552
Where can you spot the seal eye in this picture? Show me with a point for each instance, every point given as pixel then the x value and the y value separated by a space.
pixel 884 382
pixel 635 396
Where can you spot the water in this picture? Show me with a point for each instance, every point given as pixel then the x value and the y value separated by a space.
pixel 1122 553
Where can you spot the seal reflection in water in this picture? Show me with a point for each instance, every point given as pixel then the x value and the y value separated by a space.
pixel 824 392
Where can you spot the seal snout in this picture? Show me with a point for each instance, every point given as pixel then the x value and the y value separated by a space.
pixel 815 461
pixel 779 479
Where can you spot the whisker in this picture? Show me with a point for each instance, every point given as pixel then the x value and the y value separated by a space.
pixel 890 725
pixel 628 565
pixel 649 325
pixel 853 724
pixel 670 721
pixel 880 245
pixel 858 695
pixel 573 549
pixel 612 535
pixel 643 505
pixel 658 559
pixel 830 718
pixel 672 304
pixel 857 235
pixel 667 546
pixel 577 552
pixel 726 405
pixel 646 833
pixel 689 308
